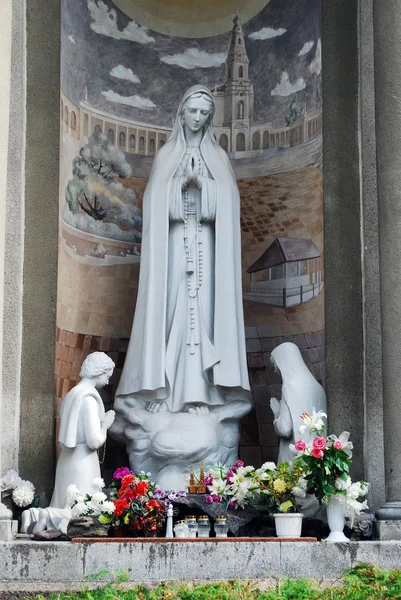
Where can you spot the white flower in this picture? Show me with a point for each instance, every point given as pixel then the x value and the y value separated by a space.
pixel 80 509
pixel 313 422
pixel 108 507
pixel 242 493
pixel 358 489
pixel 341 485
pixel 353 507
pixel 72 494
pixel 98 483
pixel 93 507
pixel 10 480
pixel 343 438
pixel 298 492
pixel 23 494
pixel 268 466
pixel 217 472
pixel 5 513
pixel 99 497
pixel 218 487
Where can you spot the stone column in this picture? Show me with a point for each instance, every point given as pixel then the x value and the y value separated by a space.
pixel 387 27
pixel 5 76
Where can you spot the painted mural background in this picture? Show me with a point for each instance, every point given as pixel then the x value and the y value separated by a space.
pixel 121 82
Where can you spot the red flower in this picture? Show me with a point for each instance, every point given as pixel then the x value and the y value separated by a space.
pixel 127 480
pixel 153 504
pixel 127 493
pixel 120 506
pixel 141 488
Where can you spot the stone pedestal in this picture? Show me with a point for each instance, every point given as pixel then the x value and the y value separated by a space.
pixel 387 24
pixel 386 531
pixel 8 530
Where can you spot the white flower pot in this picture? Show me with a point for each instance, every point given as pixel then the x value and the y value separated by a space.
pixel 336 519
pixel 288 525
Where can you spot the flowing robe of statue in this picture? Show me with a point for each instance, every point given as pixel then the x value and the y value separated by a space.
pixel 184 386
pixel 300 393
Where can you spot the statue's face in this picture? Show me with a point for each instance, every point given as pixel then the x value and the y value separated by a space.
pixel 103 379
pixel 196 113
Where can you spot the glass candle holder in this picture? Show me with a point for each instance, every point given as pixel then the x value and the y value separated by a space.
pixel 203 527
pixel 220 527
pixel 181 529
pixel 192 525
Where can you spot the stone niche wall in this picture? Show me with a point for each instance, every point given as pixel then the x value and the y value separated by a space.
pixel 280 186
pixel 96 302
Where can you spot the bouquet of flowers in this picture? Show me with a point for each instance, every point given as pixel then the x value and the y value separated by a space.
pixel 96 504
pixel 327 461
pixel 139 503
pixel 283 485
pixel 239 485
pixel 22 492
pixel 235 485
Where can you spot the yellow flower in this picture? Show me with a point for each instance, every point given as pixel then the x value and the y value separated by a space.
pixel 279 485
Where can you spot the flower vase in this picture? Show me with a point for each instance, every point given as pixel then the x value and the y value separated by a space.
pixel 288 525
pixel 336 518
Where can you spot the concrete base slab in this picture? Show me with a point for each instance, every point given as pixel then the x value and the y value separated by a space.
pixel 34 565
pixel 388 530
pixel 8 530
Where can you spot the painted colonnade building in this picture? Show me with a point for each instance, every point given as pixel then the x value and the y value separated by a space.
pixel 130 136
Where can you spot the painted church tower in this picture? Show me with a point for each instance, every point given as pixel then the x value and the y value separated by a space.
pixel 234 100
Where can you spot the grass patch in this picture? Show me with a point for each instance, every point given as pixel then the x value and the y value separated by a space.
pixel 364 582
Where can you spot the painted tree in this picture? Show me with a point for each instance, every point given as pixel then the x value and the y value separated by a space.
pixel 294 113
pixel 95 188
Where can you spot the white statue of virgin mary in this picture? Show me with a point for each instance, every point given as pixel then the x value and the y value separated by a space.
pixel 184 386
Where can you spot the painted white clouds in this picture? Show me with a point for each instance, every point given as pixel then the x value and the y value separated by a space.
pixel 121 72
pixel 71 39
pixel 105 23
pixel 193 58
pixel 316 64
pixel 134 101
pixel 307 47
pixel 286 88
pixel 266 33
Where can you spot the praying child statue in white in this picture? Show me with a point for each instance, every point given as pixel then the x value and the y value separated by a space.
pixel 83 430
pixel 184 386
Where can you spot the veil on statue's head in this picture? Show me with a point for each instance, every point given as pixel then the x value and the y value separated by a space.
pixel 177 133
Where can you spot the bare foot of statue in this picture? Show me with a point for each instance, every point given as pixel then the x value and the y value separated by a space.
pixel 156 406
pixel 197 409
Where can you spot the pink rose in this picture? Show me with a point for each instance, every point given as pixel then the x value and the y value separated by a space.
pixel 239 463
pixel 316 453
pixel 232 505
pixel 338 445
pixel 209 499
pixel 300 446
pixel 230 477
pixel 216 498
pixel 208 480
pixel 319 443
